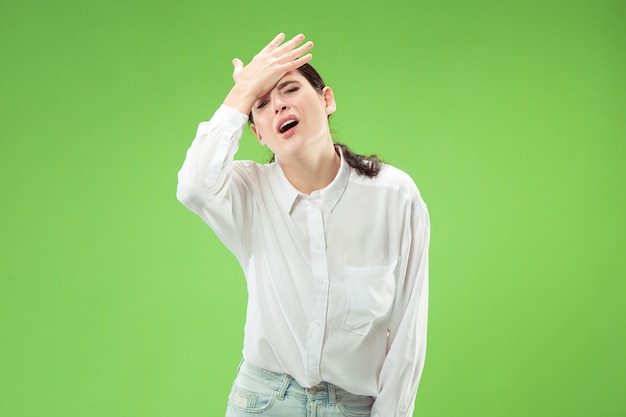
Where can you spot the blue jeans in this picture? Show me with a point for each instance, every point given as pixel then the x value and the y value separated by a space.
pixel 257 392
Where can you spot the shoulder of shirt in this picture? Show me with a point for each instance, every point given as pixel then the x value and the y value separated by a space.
pixel 389 176
pixel 394 179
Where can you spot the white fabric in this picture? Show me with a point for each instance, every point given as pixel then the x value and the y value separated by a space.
pixel 337 280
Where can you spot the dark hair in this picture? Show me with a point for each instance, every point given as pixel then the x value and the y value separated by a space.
pixel 368 166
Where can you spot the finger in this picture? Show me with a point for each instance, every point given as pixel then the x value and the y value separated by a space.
pixel 291 43
pixel 296 63
pixel 275 42
pixel 291 55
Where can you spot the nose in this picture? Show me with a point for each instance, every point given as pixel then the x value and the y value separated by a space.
pixel 279 104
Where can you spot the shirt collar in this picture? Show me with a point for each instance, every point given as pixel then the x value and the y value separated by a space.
pixel 327 197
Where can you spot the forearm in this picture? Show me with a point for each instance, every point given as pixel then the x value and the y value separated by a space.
pixel 241 98
pixel 206 168
pixel 403 365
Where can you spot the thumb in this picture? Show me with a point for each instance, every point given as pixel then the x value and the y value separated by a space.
pixel 237 64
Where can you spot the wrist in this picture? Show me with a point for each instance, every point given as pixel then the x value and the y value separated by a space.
pixel 240 98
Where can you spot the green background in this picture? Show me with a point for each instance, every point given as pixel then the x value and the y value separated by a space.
pixel 510 116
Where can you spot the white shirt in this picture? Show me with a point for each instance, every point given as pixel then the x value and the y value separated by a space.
pixel 337 280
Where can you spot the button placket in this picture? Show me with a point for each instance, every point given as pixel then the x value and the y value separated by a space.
pixel 319 265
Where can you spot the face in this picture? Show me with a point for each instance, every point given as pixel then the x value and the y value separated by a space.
pixel 293 116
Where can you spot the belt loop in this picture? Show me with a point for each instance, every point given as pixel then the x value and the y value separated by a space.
pixel 280 394
pixel 332 395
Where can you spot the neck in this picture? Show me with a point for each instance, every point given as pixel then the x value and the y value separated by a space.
pixel 310 173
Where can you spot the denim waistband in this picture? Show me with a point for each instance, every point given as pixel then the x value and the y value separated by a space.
pixel 283 384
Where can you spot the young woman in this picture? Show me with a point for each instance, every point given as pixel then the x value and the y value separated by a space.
pixel 333 245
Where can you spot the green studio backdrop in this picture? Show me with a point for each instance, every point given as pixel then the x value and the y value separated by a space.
pixel 117 301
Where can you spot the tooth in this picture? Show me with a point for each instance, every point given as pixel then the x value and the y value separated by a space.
pixel 287 122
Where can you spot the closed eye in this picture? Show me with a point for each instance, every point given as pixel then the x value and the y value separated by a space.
pixel 262 104
pixel 291 90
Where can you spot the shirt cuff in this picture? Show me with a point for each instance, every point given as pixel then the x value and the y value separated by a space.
pixel 229 117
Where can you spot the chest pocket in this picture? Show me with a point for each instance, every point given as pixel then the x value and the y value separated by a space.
pixel 370 293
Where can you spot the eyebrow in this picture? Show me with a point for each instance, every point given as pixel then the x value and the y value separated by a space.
pixel 286 83
pixel 279 87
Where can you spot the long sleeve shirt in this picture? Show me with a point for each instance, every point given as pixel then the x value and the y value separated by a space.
pixel 337 279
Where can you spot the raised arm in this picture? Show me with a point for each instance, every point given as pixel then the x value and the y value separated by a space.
pixel 206 184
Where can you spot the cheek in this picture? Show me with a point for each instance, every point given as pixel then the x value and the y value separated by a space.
pixel 260 124
pixel 264 129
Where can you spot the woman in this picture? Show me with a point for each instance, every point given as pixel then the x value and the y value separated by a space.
pixel 333 246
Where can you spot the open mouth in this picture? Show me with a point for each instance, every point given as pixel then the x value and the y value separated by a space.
pixel 287 125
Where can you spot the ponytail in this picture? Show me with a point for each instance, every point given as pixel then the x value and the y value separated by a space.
pixel 368 166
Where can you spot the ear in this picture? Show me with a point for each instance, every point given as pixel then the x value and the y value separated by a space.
pixel 256 133
pixel 329 100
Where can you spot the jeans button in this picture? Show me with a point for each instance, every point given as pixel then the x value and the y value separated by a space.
pixel 316 389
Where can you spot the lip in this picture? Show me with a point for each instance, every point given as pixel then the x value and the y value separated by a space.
pixel 283 120
pixel 288 133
